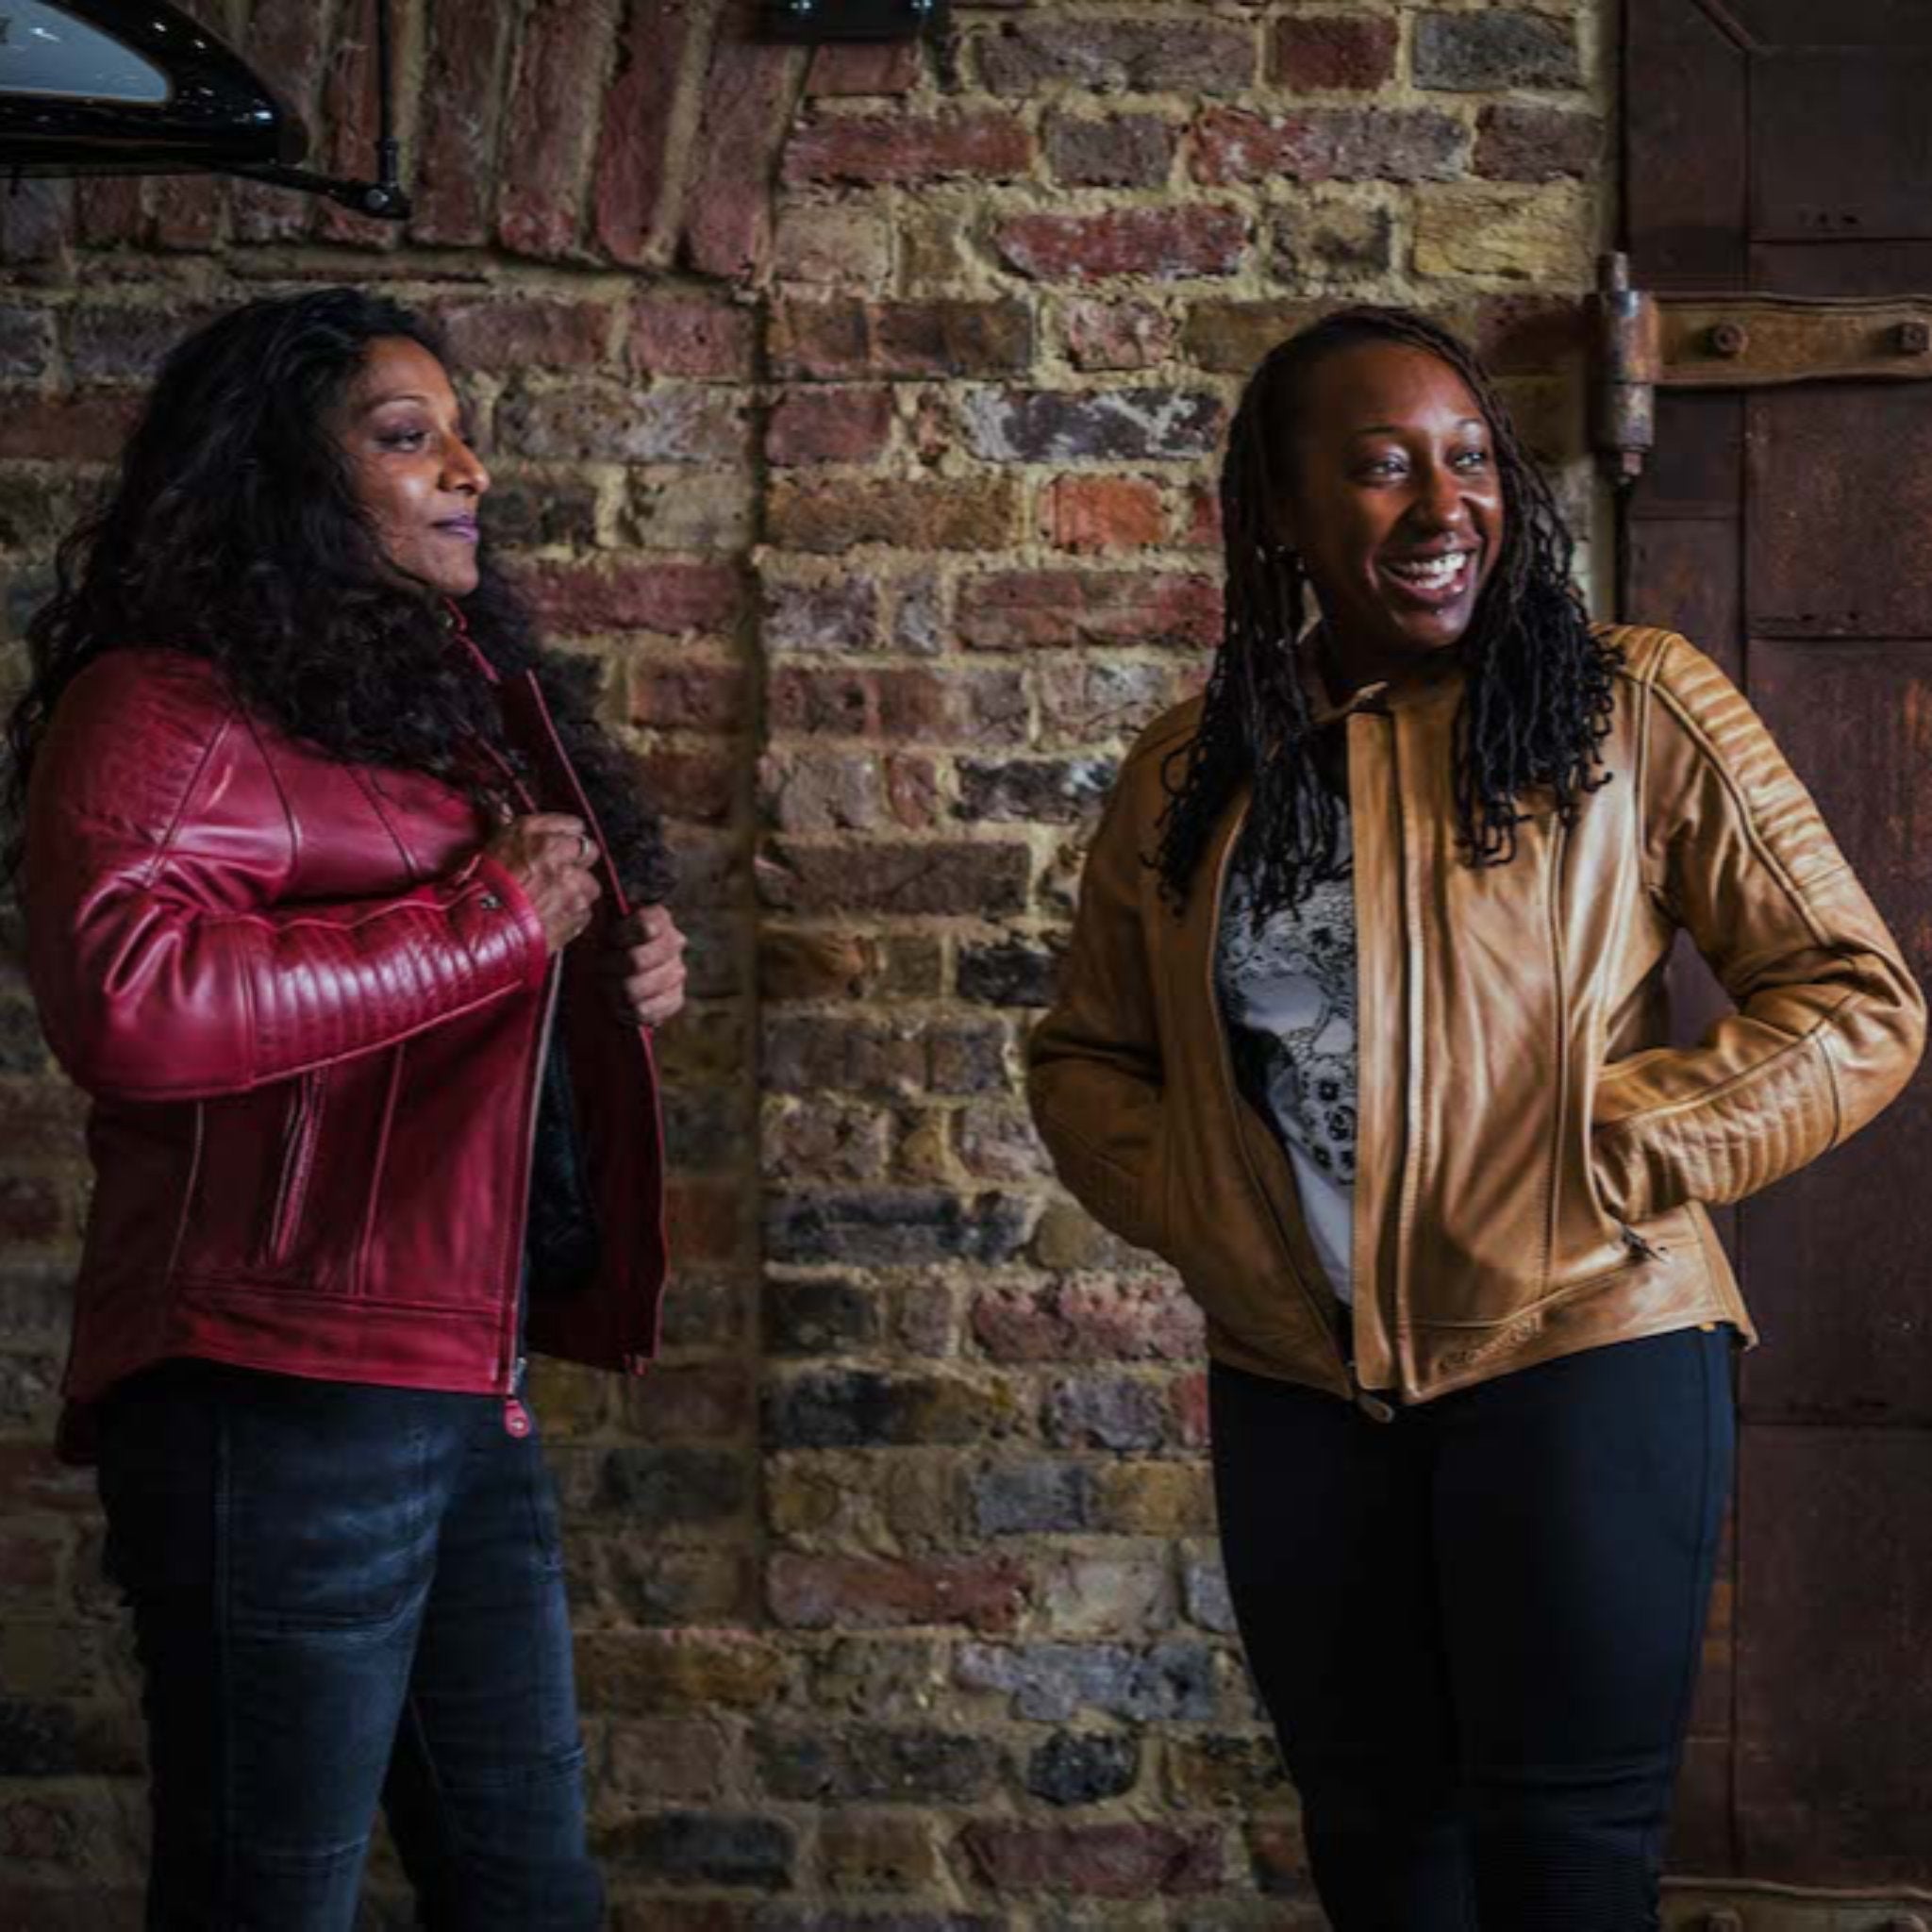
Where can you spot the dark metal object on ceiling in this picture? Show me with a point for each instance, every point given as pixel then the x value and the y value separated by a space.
pixel 851 20
pixel 135 87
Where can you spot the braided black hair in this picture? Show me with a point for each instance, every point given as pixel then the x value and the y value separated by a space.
pixel 1538 686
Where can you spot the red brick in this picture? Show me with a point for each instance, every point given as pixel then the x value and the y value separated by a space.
pixel 1146 1318
pixel 696 1402
pixel 1160 243
pixel 1117 335
pixel 827 340
pixel 700 786
pixel 188 211
pixel 1191 57
pixel 878 150
pixel 1278 1860
pixel 974 514
pixel 1529 335
pixel 689 697
pixel 526 332
pixel 910 705
pixel 979 878
pixel 1519 142
pixel 351 119
pixel 109 211
pixel 573 598
pixel 560 73
pixel 826 1592
pixel 829 426
pixel 675 335
pixel 1355 52
pixel 1125 151
pixel 1190 1396
pixel 741 125
pixel 704 1220
pixel 1329 144
pixel 88 427
pixel 1125 1860
pixel 1022 610
pixel 630 212
pixel 814 965
pixel 1198 525
pixel 1100 514
pixel 1232 337
pixel 289 39
pixel 455 148
pixel 889 67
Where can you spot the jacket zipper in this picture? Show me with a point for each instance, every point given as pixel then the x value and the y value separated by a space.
pixel 516 1418
pixel 298 1162
pixel 1362 1399
pixel 635 1360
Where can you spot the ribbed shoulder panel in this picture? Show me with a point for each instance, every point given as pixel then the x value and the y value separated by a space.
pixel 1783 817
pixel 131 736
pixel 1644 646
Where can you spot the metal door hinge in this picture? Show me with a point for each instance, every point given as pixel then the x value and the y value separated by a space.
pixel 1642 342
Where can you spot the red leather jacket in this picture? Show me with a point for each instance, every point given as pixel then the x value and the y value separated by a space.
pixel 312 1015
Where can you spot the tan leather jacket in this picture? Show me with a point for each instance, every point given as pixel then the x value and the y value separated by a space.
pixel 1534 1162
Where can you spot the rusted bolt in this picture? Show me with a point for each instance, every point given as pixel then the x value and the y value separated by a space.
pixel 1730 338
pixel 1914 338
pixel 1723 1919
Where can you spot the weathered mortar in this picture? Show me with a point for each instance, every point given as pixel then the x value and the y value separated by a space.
pixel 858 413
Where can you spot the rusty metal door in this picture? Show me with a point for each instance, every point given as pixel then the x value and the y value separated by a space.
pixel 1778 208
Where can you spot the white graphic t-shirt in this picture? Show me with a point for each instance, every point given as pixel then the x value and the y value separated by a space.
pixel 1286 995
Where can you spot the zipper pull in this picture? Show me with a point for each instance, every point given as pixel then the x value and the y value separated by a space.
pixel 1650 1251
pixel 516 1418
pixel 1374 1407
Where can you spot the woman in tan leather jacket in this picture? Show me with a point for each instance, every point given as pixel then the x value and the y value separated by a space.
pixel 1362 1028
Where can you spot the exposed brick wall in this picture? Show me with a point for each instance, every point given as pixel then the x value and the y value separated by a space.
pixel 858 411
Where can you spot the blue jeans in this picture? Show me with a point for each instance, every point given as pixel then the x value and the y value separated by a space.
pixel 1476 1627
pixel 343 1597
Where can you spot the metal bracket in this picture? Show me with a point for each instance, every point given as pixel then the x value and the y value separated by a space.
pixel 815 21
pixel 1642 342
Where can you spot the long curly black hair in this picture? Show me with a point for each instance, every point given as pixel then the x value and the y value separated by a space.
pixel 232 532
pixel 1538 687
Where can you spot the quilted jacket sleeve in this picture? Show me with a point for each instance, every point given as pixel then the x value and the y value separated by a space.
pixel 163 964
pixel 1094 1073
pixel 1830 1022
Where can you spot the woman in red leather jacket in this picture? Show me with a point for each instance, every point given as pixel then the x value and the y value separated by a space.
pixel 329 877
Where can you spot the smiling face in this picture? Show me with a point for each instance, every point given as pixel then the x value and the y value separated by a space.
pixel 1395 504
pixel 412 467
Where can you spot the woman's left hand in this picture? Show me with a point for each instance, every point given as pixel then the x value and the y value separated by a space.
pixel 645 968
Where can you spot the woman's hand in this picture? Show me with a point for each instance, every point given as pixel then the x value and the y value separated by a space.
pixel 551 857
pixel 645 968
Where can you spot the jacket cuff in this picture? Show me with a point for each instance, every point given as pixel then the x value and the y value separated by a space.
pixel 512 902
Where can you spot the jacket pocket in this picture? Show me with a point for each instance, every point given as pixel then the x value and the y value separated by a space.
pixel 301 1132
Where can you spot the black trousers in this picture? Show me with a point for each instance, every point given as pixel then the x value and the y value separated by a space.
pixel 1476 1627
